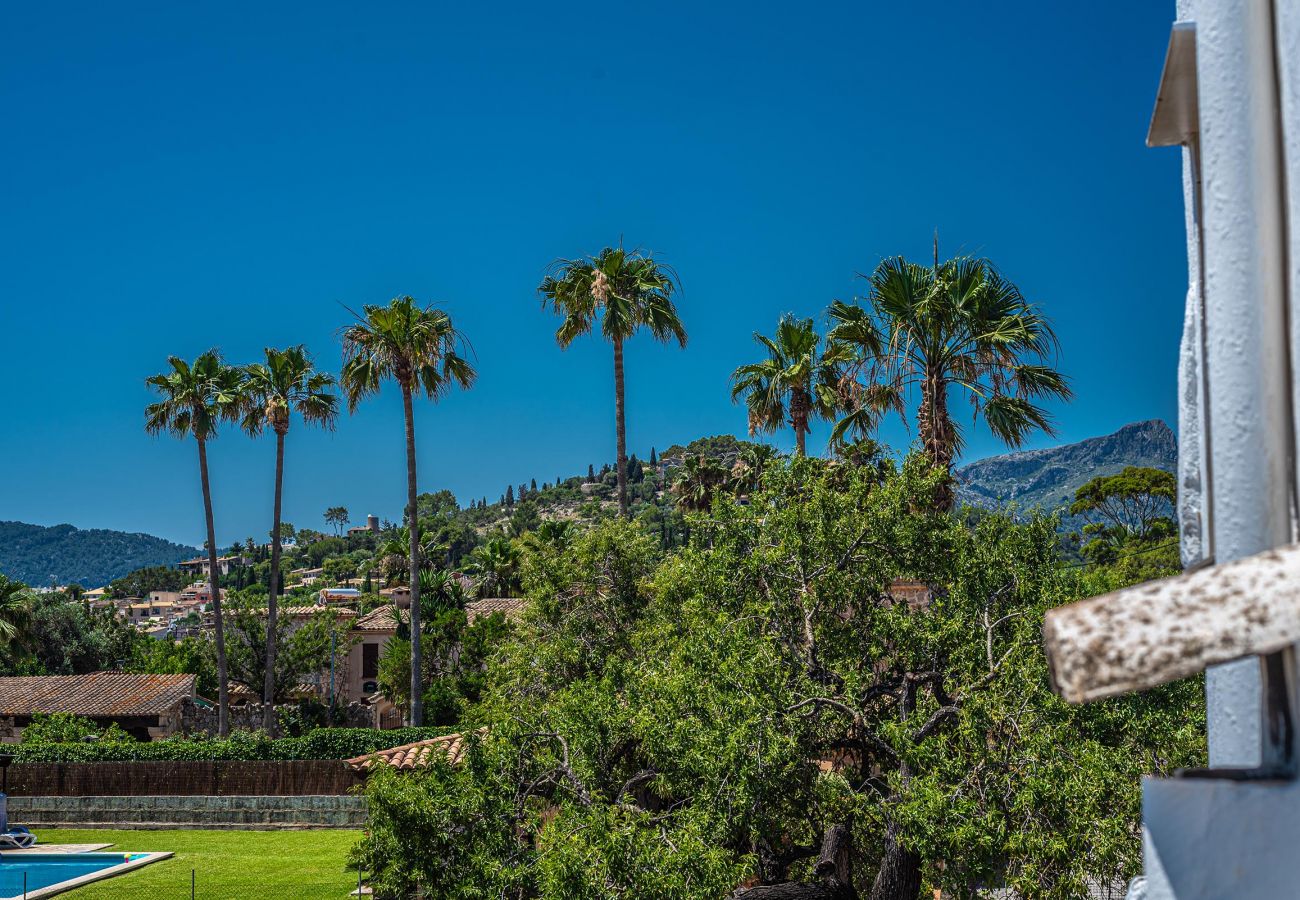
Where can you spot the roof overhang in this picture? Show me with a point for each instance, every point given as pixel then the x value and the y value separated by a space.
pixel 1176 118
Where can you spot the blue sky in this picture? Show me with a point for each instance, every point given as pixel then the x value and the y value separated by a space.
pixel 180 176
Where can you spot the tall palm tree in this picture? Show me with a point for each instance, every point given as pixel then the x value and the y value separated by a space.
pixel 287 382
pixel 960 325
pixel 627 291
pixel 419 348
pixel 193 400
pixel 796 382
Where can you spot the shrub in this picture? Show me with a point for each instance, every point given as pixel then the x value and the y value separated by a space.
pixel 66 728
pixel 320 743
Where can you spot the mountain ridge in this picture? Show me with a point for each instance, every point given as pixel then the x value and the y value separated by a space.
pixel 1030 479
pixel 1047 479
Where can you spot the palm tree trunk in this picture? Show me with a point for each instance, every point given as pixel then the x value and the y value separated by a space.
pixel 937 436
pixel 620 429
pixel 413 526
pixel 268 688
pixel 214 595
pixel 799 408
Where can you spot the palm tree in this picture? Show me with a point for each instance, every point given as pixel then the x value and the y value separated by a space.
pixel 16 601
pixel 747 471
pixel 193 401
pixel 962 325
pixel 627 290
pixel 495 565
pixel 697 481
pixel 795 382
pixel 419 348
pixel 285 383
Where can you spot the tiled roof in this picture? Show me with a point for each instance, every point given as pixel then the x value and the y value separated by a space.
pixel 510 607
pixel 411 756
pixel 379 619
pixel 96 694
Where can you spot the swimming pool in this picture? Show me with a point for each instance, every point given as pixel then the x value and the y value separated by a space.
pixel 47 874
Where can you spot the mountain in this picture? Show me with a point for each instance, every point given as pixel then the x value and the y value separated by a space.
pixel 1047 479
pixel 90 557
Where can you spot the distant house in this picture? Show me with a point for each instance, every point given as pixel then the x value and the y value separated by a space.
pixel 371 633
pixel 399 596
pixel 339 594
pixel 146 706
pixel 199 565
pixel 305 576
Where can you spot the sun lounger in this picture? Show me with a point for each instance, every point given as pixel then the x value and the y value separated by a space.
pixel 17 838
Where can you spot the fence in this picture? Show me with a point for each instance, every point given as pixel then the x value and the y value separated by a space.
pixel 265 778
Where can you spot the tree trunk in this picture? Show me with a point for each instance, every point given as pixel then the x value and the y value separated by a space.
pixel 214 597
pixel 620 429
pixel 273 593
pixel 937 436
pixel 800 406
pixel 833 868
pixel 413 525
pixel 899 877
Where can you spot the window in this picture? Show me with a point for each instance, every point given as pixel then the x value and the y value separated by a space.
pixel 369 660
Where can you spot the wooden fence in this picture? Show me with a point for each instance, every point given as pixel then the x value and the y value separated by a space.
pixel 266 778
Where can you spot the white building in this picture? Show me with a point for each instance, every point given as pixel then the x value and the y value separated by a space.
pixel 1230 97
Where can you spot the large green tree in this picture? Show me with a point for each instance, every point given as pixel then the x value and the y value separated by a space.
pixel 766 708
pixel 420 349
pixel 959 325
pixel 193 400
pixel 626 291
pixel 286 383
pixel 794 384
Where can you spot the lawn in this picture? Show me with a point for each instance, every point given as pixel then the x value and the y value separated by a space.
pixel 227 864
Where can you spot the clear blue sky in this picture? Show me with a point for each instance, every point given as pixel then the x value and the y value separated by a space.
pixel 178 176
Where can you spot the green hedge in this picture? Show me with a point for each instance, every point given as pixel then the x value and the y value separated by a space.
pixel 320 743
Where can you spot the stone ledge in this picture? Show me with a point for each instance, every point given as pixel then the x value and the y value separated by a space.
pixel 173 812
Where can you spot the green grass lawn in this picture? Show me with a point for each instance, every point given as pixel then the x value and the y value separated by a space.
pixel 228 864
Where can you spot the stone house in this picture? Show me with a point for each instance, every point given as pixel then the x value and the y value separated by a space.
pixel 146 706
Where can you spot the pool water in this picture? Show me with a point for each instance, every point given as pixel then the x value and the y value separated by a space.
pixel 45 869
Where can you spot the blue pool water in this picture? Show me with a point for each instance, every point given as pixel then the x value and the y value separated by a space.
pixel 45 869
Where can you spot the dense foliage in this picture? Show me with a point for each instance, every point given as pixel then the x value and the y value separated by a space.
pixel 675 727
pixel 320 743
pixel 90 557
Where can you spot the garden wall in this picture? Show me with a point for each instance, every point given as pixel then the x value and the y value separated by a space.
pixel 242 813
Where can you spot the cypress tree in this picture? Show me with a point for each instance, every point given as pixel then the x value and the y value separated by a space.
pixel 510 496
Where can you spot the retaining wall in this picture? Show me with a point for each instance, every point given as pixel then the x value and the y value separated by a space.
pixel 241 813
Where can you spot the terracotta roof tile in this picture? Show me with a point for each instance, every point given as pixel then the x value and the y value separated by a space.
pixel 510 607
pixel 379 619
pixel 96 694
pixel 416 755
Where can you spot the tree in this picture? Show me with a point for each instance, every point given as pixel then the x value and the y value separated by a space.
pixel 495 565
pixel 1131 507
pixel 958 325
pixel 747 471
pixel 509 495
pixel 337 516
pixel 627 291
pixel 697 482
pixel 761 709
pixel 286 383
pixel 420 349
pixel 193 401
pixel 654 459
pixel 795 382
pixel 305 646
pixel 591 473
pixel 16 602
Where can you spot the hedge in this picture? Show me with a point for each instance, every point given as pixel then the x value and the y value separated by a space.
pixel 320 743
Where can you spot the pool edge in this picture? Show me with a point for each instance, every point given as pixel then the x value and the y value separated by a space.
pixel 91 877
